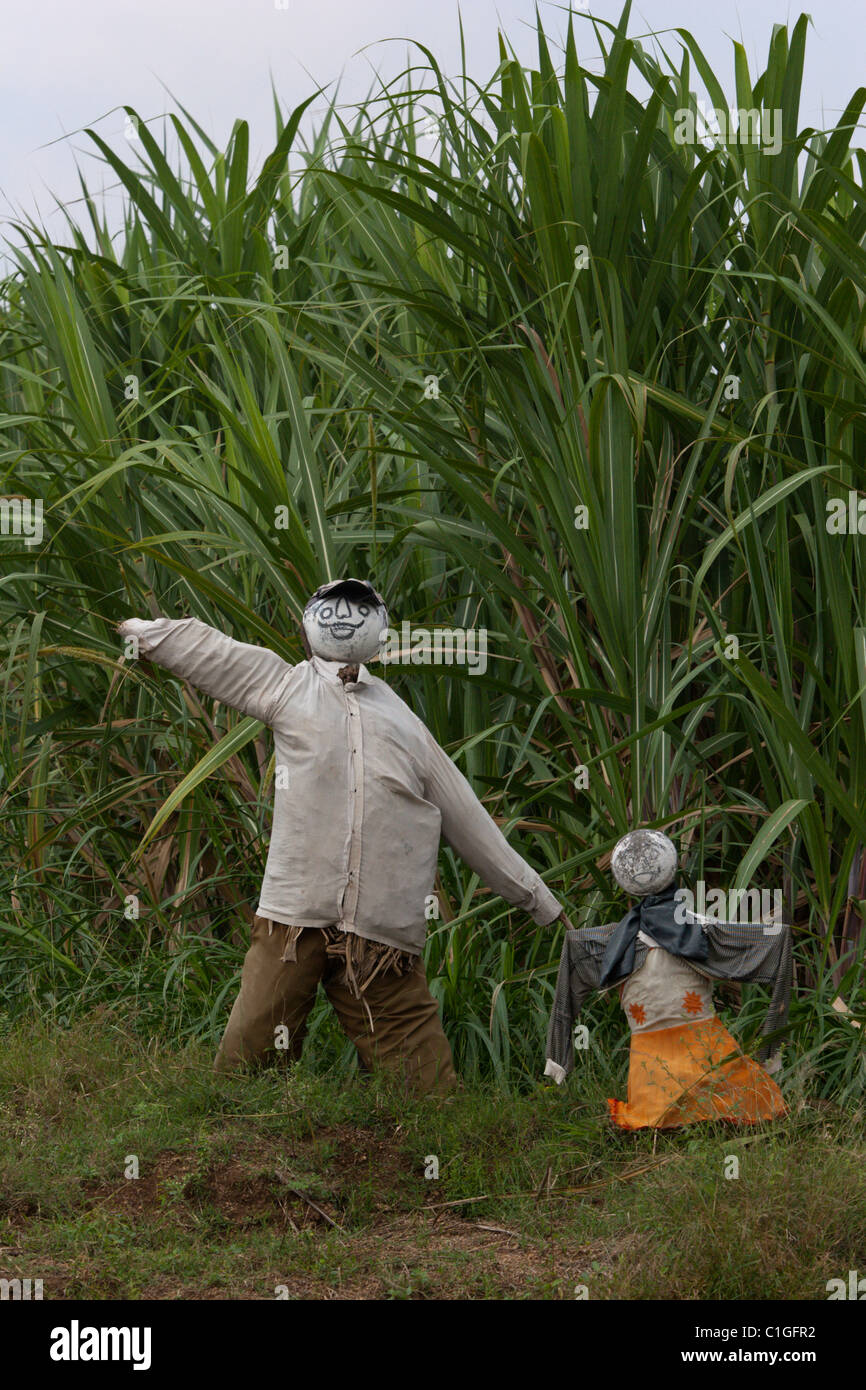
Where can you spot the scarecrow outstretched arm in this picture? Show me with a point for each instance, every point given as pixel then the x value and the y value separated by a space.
pixel 473 834
pixel 246 677
pixel 577 978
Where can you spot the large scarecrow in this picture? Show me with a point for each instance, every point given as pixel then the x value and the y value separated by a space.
pixel 684 1065
pixel 362 794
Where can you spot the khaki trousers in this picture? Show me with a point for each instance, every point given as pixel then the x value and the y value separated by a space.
pixel 406 1036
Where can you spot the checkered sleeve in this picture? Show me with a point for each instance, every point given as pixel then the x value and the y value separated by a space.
pixel 760 953
pixel 579 974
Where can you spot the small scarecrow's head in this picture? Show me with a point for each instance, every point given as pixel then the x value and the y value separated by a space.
pixel 644 862
pixel 346 621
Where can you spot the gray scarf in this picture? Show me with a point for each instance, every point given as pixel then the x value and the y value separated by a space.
pixel 653 914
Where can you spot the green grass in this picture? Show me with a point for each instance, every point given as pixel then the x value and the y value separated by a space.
pixel 315 1183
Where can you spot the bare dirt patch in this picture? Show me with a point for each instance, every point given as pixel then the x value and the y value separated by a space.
pixel 243 1192
pixel 388 1233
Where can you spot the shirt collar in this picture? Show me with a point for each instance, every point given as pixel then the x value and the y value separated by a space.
pixel 328 670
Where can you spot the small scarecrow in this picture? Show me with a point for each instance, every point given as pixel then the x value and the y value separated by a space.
pixel 363 793
pixel 684 1066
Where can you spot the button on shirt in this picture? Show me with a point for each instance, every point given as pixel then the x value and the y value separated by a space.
pixel 364 796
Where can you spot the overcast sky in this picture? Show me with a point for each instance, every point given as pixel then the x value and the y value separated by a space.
pixel 67 65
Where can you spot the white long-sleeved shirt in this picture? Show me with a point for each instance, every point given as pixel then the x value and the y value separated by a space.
pixel 364 796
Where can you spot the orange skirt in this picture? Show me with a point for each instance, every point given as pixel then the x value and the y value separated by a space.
pixel 677 1076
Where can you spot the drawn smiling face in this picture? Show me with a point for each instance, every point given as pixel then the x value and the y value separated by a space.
pixel 344 626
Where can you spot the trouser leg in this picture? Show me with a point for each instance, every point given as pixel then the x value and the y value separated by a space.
pixel 406 1036
pixel 273 992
